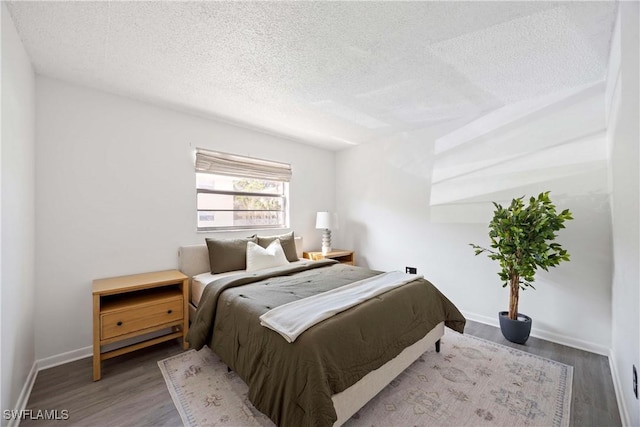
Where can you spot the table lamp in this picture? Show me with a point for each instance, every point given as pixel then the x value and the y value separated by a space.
pixel 323 221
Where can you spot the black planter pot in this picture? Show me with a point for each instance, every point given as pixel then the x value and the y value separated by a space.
pixel 516 331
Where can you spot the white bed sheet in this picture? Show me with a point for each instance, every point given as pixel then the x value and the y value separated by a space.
pixel 200 281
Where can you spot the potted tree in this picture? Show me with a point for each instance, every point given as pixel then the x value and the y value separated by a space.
pixel 523 240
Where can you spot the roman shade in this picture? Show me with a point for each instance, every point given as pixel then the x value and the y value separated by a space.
pixel 235 165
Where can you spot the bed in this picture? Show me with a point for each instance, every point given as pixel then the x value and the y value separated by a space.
pixel 332 369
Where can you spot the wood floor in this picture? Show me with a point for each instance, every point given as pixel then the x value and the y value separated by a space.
pixel 132 391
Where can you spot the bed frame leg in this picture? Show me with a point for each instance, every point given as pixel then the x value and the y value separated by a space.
pixel 228 369
pixel 438 346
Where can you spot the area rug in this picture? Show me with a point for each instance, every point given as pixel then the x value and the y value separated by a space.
pixel 471 382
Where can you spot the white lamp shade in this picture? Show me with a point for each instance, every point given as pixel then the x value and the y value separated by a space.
pixel 323 220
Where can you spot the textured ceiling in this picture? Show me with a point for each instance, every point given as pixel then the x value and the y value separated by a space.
pixel 327 73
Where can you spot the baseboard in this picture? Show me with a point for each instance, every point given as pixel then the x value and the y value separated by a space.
pixel 61 359
pixel 481 319
pixel 617 386
pixel 546 335
pixel 23 399
pixel 81 353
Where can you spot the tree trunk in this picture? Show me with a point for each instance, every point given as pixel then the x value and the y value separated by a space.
pixel 514 285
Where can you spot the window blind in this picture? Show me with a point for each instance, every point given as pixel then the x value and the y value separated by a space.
pixel 235 165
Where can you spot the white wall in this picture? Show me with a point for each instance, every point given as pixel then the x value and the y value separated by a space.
pixel 624 137
pixel 18 215
pixel 116 195
pixel 386 205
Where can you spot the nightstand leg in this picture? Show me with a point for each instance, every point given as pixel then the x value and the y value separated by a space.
pixel 96 338
pixel 96 366
pixel 185 323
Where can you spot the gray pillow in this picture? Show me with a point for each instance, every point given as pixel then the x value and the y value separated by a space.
pixel 287 242
pixel 228 254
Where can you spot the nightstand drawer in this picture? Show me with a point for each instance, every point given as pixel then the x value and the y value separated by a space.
pixel 138 317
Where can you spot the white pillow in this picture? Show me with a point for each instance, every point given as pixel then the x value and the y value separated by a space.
pixel 259 258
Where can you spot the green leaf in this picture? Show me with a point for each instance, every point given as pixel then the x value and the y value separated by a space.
pixel 523 237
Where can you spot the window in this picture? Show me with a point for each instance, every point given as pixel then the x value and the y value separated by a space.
pixel 236 192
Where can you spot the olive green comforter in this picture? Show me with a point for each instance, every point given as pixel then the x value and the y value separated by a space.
pixel 292 383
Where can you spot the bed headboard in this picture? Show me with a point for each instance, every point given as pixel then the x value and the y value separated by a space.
pixel 194 259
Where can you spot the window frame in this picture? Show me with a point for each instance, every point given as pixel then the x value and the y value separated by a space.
pixel 244 162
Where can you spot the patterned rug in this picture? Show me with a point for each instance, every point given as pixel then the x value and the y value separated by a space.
pixel 471 382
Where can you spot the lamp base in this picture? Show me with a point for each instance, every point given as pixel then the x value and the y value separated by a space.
pixel 326 241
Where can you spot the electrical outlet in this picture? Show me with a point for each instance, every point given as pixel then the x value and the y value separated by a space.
pixel 635 381
pixel 411 270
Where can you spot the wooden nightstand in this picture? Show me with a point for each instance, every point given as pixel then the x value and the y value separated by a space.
pixel 344 257
pixel 129 306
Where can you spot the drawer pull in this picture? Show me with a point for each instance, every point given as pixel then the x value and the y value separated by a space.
pixel 119 323
pixel 169 311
